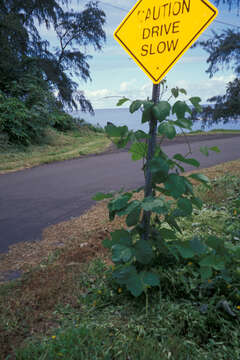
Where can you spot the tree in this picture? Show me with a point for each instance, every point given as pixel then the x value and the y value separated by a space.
pixel 224 51
pixel 23 51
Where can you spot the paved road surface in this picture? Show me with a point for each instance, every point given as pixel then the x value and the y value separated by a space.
pixel 33 199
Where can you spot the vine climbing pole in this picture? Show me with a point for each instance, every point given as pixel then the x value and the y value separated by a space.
pixel 151 150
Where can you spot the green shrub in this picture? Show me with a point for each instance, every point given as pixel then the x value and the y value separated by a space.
pixel 22 125
pixel 62 121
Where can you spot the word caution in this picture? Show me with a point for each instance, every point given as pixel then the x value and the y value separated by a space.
pixel 160 29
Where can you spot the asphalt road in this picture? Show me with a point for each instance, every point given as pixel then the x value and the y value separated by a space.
pixel 33 199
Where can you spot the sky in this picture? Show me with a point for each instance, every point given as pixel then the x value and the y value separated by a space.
pixel 114 74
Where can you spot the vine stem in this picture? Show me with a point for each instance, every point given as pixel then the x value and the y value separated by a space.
pixel 151 150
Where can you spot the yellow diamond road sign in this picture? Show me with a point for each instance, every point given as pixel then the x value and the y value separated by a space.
pixel 156 33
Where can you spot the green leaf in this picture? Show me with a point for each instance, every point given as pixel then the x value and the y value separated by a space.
pixel 206 272
pixel 122 237
pixel 107 243
pixel 180 108
pixel 217 244
pixel 161 110
pixel 167 129
pixel 147 111
pixel 215 148
pixel 198 246
pixel 122 101
pixel 214 261
pixel 157 205
pixel 121 253
pixel 204 150
pixel 135 105
pixel 175 92
pixel 138 150
pixel 185 250
pixel 183 91
pixel 143 252
pixel 133 217
pixel 184 123
pixel 195 102
pixel 123 273
pixel 119 202
pixel 101 196
pixel 200 177
pixel 167 234
pixel 185 205
pixel 190 161
pixel 175 185
pixel 149 278
pixel 135 285
pixel 159 166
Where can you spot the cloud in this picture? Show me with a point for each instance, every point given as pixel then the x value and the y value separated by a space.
pixel 206 88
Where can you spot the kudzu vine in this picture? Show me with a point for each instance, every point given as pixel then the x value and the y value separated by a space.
pixel 172 197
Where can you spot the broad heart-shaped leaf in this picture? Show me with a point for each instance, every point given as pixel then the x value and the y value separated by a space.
pixel 167 129
pixel 135 105
pixel 133 217
pixel 195 101
pixel 149 278
pixel 217 244
pixel 143 252
pixel 156 205
pixel 122 101
pixel 138 150
pixel 123 273
pixel 147 111
pixel 175 185
pixel 121 253
pixel 127 275
pixel 161 110
pixel 185 206
pixel 198 246
pixel 189 186
pixel 200 177
pixel 160 166
pixel 180 108
pixel 184 123
pixel 205 272
pixel 175 92
pixel 101 196
pixel 119 202
pixel 183 91
pixel 167 234
pixel 189 161
pixel 214 261
pixel 122 237
pixel 116 131
pixel 185 250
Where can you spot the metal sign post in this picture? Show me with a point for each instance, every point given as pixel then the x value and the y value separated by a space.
pixel 151 150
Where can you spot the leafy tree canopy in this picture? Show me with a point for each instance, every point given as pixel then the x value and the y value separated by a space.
pixel 25 53
pixel 224 52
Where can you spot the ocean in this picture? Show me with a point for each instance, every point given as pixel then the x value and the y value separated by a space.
pixel 122 116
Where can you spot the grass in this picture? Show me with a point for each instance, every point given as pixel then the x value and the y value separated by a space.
pixel 56 146
pixel 214 131
pixel 68 308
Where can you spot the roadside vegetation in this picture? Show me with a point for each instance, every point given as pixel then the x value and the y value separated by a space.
pixel 54 146
pixel 68 307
